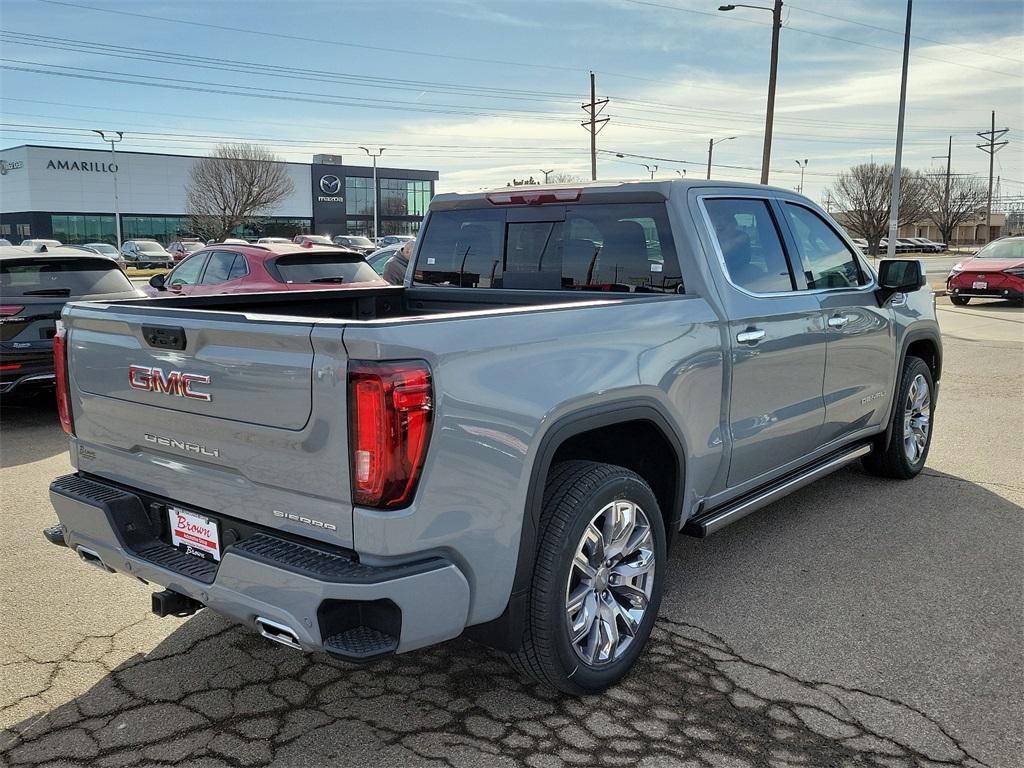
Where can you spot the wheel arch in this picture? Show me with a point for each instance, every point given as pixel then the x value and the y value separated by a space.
pixel 925 343
pixel 588 434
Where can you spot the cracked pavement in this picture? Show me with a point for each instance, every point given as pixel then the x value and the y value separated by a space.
pixel 857 623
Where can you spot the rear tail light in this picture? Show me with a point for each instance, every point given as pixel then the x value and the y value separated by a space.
pixel 60 375
pixel 6 310
pixel 390 406
pixel 9 366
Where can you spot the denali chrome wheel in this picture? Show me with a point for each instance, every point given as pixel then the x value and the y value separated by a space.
pixel 916 419
pixel 610 582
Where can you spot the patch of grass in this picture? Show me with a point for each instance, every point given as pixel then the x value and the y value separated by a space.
pixel 135 272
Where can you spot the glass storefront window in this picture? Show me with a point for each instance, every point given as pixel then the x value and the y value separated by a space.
pixel 75 230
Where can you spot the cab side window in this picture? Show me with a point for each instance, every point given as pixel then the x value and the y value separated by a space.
pixel 187 273
pixel 824 258
pixel 750 244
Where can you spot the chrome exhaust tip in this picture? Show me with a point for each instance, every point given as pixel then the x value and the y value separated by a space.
pixel 279 633
pixel 89 556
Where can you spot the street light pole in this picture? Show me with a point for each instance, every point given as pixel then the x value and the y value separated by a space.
pixel 711 146
pixel 681 174
pixel 894 199
pixel 776 10
pixel 546 174
pixel 650 169
pixel 803 166
pixel 380 151
pixel 113 162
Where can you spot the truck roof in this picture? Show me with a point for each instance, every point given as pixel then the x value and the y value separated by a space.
pixel 592 191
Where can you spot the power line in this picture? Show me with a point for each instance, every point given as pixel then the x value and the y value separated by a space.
pixel 913 37
pixel 822 35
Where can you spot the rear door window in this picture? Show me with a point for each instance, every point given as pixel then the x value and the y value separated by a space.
pixel 607 247
pixel 61 277
pixel 222 267
pixel 750 244
pixel 323 268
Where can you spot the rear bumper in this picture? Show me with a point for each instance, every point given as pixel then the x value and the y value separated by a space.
pixel 34 368
pixel 328 600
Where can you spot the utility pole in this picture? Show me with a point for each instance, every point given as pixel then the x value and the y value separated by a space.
pixel 380 151
pixel 803 167
pixel 948 157
pixel 113 162
pixel 546 174
pixel 894 200
pixel 594 124
pixel 991 146
pixel 711 146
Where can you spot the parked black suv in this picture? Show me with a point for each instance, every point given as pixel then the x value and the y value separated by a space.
pixel 34 286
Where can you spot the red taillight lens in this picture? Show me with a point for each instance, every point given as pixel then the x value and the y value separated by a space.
pixel 6 310
pixel 60 374
pixel 390 408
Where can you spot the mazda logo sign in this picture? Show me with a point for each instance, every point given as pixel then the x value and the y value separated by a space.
pixel 330 184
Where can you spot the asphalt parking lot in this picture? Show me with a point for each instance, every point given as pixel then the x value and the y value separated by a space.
pixel 859 622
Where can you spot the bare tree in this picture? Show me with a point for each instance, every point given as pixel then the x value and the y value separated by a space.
pixel 564 178
pixel 862 194
pixel 233 187
pixel 953 205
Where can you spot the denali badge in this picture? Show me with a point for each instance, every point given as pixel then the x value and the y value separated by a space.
pixel 306 520
pixel 175 383
pixel 181 445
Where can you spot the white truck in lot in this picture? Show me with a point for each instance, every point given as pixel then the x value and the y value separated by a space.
pixel 506 445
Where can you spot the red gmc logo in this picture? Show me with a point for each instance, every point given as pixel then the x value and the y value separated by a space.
pixel 175 383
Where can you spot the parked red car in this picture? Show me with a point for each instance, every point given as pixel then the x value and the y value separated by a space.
pixel 994 272
pixel 223 268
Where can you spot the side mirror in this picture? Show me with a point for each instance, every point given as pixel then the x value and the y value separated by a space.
pixel 157 281
pixel 899 276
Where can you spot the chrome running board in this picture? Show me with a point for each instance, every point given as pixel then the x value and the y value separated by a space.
pixel 707 522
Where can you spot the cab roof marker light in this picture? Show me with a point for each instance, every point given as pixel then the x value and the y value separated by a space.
pixel 519 197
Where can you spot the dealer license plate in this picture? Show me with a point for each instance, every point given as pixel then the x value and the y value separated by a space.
pixel 979 286
pixel 194 534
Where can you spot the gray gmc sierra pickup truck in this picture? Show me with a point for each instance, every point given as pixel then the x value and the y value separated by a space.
pixel 505 445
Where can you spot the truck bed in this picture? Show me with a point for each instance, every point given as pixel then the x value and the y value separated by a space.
pixel 371 304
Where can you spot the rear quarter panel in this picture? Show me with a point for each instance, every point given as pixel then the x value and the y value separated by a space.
pixel 501 382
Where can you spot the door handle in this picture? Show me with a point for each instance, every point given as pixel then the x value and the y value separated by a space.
pixel 838 321
pixel 750 336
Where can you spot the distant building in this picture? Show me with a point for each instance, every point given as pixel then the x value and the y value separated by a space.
pixel 971 232
pixel 68 194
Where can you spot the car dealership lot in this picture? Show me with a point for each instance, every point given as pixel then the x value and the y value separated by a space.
pixel 858 622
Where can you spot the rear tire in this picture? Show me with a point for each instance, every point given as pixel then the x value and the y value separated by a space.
pixel 911 426
pixel 597 579
pixel 960 301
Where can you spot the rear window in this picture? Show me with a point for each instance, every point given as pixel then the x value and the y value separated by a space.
pixel 323 268
pixel 613 247
pixel 64 277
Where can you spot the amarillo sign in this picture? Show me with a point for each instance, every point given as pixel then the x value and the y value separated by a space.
pixel 87 166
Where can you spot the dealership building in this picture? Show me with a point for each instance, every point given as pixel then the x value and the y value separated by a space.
pixel 68 194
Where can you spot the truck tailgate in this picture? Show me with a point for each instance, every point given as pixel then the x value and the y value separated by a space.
pixel 251 373
pixel 215 410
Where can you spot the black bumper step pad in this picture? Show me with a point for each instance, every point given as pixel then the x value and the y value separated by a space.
pixel 360 644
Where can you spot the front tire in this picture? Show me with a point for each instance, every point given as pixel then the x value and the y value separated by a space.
pixel 597 578
pixel 960 301
pixel 911 426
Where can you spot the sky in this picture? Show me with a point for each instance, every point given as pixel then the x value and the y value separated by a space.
pixel 485 92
